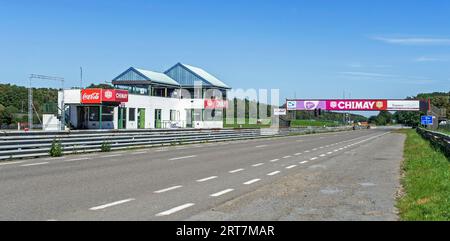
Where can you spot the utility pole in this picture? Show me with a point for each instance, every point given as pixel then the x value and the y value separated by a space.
pixel 81 77
pixel 30 105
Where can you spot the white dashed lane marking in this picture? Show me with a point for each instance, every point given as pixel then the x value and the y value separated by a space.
pixel 168 189
pixel 257 165
pixel 111 204
pixel 175 209
pixel 273 173
pixel 252 181
pixel 303 162
pixel 286 157
pixel 260 146
pixel 237 170
pixel 217 194
pixel 274 160
pixel 312 159
pixel 207 179
pixel 290 167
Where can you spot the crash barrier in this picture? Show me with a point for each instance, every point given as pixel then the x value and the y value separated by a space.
pixel 437 139
pixel 37 144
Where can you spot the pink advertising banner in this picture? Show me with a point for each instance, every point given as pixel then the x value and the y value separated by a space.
pixel 339 105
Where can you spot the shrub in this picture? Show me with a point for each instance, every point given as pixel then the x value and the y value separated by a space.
pixel 56 149
pixel 106 146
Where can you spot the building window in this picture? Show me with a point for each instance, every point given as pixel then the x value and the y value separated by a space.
pixel 132 114
pixel 107 113
pixel 94 113
pixel 174 115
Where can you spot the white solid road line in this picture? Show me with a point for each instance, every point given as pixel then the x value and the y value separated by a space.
pixel 237 170
pixel 182 157
pixel 114 155
pixel 10 163
pixel 206 179
pixel 217 194
pixel 34 164
pixel 175 209
pixel 54 158
pixel 252 181
pixel 273 173
pixel 167 189
pixel 289 167
pixel 260 146
pixel 111 204
pixel 303 162
pixel 77 159
pixel 312 159
pixel 257 165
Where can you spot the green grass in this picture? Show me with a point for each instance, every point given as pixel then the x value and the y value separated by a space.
pixel 302 123
pixel 426 181
pixel 228 123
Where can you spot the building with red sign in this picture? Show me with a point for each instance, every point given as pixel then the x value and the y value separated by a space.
pixel 184 96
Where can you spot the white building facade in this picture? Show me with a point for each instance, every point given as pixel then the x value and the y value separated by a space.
pixel 182 97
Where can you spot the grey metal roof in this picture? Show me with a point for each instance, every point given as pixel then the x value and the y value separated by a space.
pixel 206 76
pixel 157 77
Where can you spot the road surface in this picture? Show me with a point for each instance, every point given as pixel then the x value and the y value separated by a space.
pixel 332 176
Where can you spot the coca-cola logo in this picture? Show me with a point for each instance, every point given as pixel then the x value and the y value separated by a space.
pixel 92 96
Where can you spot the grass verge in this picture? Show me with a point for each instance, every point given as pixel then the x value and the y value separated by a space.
pixel 426 181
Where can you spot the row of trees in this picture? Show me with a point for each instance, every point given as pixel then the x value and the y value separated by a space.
pixel 14 102
pixel 412 118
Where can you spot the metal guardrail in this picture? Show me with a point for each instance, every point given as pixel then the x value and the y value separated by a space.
pixel 36 144
pixel 438 140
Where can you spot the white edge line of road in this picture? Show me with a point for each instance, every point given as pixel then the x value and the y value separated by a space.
pixel 175 209
pixel 182 157
pixel 34 164
pixel 10 163
pixel 111 204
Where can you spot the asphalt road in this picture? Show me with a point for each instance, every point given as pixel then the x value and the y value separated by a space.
pixel 216 181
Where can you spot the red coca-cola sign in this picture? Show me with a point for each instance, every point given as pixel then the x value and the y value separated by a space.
pixel 98 96
pixel 91 96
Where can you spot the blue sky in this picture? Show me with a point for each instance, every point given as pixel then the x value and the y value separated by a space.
pixel 310 49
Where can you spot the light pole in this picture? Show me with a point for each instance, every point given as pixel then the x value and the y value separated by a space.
pixel 30 98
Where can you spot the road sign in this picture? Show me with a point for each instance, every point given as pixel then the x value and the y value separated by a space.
pixel 280 111
pixel 426 120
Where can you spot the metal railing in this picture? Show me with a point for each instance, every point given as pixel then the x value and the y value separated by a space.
pixel 438 140
pixel 37 144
